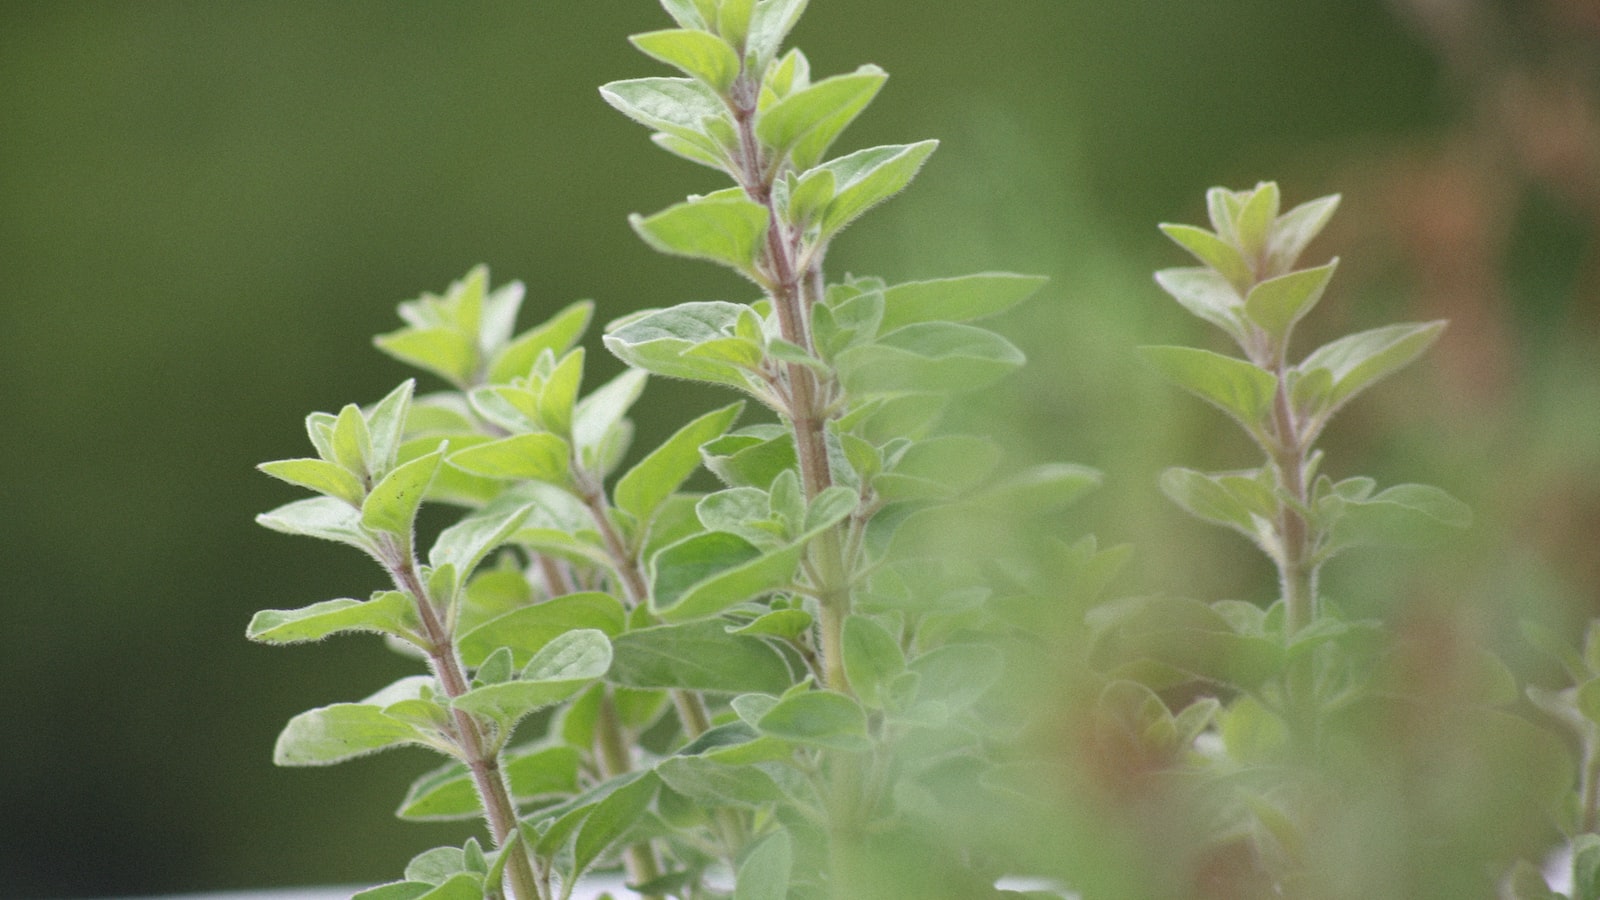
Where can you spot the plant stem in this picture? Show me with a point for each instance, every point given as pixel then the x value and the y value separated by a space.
pixel 488 776
pixel 806 395
pixel 1297 571
pixel 612 751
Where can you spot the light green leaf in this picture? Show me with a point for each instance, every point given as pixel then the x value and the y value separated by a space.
pixel 957 675
pixel 961 299
pixel 1400 516
pixel 771 24
pixel 447 793
pixel 392 505
pixel 527 630
pixel 703 575
pixel 1295 229
pixel 750 457
pixel 558 335
pixel 809 197
pixel 699 656
pixel 1278 303
pixel 1238 388
pixel 560 669
pixel 386 426
pixel 1218 255
pixel 716 784
pixel 442 350
pixel 686 13
pixel 780 623
pixel 872 658
pixel 319 475
pixel 665 469
pixel 698 54
pixel 721 228
pixel 342 731
pixel 352 443
pixel 1255 218
pixel 597 415
pixel 611 820
pixel 394 890
pixel 818 718
pixel 388 612
pixel 465 544
pixel 1586 867
pixel 764 874
pixel 830 103
pixel 865 178
pixel 677 106
pixel 658 341
pixel 539 456
pixel 928 357
pixel 1360 360
pixel 321 517
pixel 1236 501
pixel 1208 296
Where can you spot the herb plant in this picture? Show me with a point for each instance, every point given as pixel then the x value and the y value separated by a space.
pixel 822 677
pixel 713 689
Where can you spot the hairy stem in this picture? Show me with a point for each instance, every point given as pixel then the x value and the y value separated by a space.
pixel 482 759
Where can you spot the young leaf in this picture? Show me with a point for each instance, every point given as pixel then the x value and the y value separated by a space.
pixel 319 475
pixel 527 630
pixel 388 612
pixel 1278 303
pixel 664 470
pixel 699 656
pixel 447 793
pixel 1218 255
pixel 1295 229
pixel 442 350
pixel 539 456
pixel 1360 360
pixel 597 415
pixel 764 874
pixel 386 426
pixel 465 544
pixel 560 669
pixel 830 103
pixel 872 658
pixel 718 784
pixel 698 54
pixel 961 299
pixel 750 457
pixel 1255 218
pixel 611 820
pixel 342 731
pixel 392 505
pixel 868 177
pixel 1223 499
pixel 722 228
pixel 658 341
pixel 703 575
pixel 1402 515
pixel 818 718
pixel 676 106
pixel 928 357
pixel 558 335
pixel 321 517
pixel 771 23
pixel 1238 388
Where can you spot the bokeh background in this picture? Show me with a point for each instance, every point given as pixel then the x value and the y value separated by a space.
pixel 208 208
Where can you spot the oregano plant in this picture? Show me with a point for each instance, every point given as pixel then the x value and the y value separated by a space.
pixel 752 692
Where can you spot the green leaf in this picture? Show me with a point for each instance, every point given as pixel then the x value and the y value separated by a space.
pixel 722 228
pixel 611 820
pixel 321 517
pixel 658 341
pixel 1217 254
pixel 558 335
pixel 665 469
pixel 957 675
pixel 771 24
pixel 872 659
pixel 750 457
pixel 698 54
pixel 1255 218
pixel 388 612
pixel 1208 296
pixel 865 178
pixel 1295 229
pixel 465 544
pixel 1238 388
pixel 808 197
pixel 342 731
pixel 818 718
pixel 705 574
pixel 448 794
pixel 764 873
pixel 560 669
pixel 394 890
pixel 595 420
pixel 1234 500
pixel 780 623
pixel 831 104
pixel 442 350
pixel 676 106
pixel 1360 360
pixel 392 505
pixel 716 784
pixel 539 456
pixel 699 656
pixel 1586 867
pixel 527 630
pixel 319 475
pixel 386 427
pixel 928 357
pixel 352 443
pixel 1526 882
pixel 1278 303
pixel 961 299
pixel 1400 516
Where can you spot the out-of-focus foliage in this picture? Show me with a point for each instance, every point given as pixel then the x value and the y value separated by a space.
pixel 201 205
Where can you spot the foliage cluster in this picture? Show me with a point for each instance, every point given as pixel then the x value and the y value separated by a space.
pixel 855 667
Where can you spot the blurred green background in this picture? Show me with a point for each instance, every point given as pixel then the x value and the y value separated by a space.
pixel 208 208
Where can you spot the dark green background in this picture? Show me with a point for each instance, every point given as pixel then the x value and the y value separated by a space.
pixel 208 208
